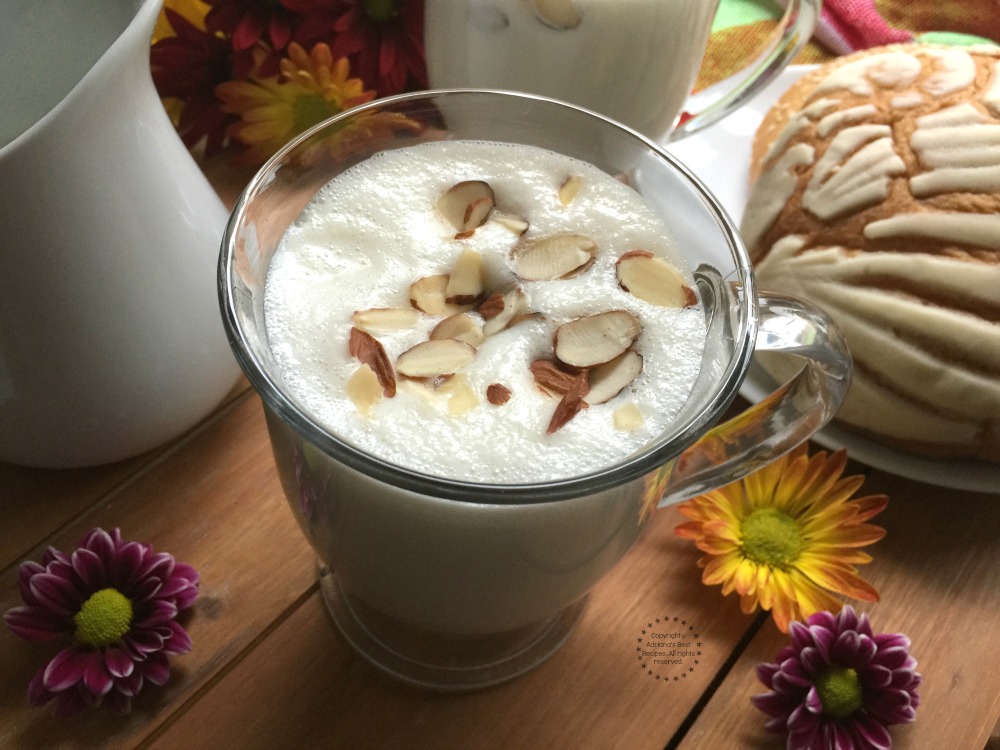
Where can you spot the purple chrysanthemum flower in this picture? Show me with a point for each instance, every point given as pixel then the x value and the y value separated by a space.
pixel 838 686
pixel 118 602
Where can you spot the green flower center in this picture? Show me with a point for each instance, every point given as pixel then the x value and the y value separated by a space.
pixel 770 537
pixel 312 109
pixel 104 618
pixel 839 691
pixel 379 11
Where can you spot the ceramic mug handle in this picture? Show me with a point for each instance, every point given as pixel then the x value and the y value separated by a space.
pixel 793 31
pixel 781 421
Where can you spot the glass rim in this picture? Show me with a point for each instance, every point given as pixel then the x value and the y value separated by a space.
pixel 650 458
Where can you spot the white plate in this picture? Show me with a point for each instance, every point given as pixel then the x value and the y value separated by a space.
pixel 720 157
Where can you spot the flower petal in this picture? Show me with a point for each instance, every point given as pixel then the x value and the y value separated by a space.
pixel 37 624
pixel 118 663
pixel 65 669
pixel 96 678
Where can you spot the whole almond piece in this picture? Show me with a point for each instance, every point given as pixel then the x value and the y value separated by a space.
pixel 368 350
pixel 570 404
pixel 428 295
pixel 467 205
pixel 379 319
pixel 496 321
pixel 364 389
pixel 596 339
pixel 558 14
pixel 569 189
pixel 497 394
pixel 559 256
pixel 465 284
pixel 652 279
pixel 462 327
pixel 429 359
pixel 611 378
pixel 550 378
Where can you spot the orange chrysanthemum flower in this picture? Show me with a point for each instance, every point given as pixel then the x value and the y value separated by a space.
pixel 311 88
pixel 787 536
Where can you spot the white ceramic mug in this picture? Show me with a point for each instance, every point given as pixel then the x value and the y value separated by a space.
pixel 632 60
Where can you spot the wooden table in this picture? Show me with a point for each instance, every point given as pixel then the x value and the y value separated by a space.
pixel 269 670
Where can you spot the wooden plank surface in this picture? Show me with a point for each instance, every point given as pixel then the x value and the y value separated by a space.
pixel 302 686
pixel 938 573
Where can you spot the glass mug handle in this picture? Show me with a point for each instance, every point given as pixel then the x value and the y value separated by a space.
pixel 793 31
pixel 787 327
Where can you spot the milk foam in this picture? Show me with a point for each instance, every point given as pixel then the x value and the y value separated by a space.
pixel 374 230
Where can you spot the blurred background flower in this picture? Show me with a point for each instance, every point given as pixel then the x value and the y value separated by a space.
pixel 786 537
pixel 201 48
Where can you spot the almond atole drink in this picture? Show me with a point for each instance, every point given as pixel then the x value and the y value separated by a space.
pixel 552 333
pixel 491 334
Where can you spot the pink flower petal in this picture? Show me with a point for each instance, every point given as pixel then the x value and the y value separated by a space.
pixel 130 559
pixel 96 678
pixel 155 613
pixel 89 566
pixel 157 670
pixel 66 668
pixel 24 574
pixel 56 593
pixel 118 663
pixel 38 694
pixel 69 703
pixel 37 624
pixel 130 685
pixel 120 702
pixel 100 543
pixel 144 641
pixel 179 641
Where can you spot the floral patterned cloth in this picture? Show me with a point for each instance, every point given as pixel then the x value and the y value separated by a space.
pixel 742 27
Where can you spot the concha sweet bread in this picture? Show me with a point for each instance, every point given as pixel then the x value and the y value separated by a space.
pixel 876 195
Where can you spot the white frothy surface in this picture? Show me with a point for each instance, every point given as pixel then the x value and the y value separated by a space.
pixel 374 230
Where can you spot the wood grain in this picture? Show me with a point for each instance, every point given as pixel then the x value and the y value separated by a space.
pixel 938 573
pixel 304 687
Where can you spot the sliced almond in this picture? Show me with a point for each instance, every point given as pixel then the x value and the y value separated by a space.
pixel 380 319
pixel 462 327
pixel 496 320
pixel 569 189
pixel 428 295
pixel 465 284
pixel 550 377
pixel 559 256
pixel 513 223
pixel 467 205
pixel 611 378
pixel 368 350
pixel 558 14
pixel 497 394
pixel 628 418
pixel 429 359
pixel 364 389
pixel 462 397
pixel 654 280
pixel 570 404
pixel 524 318
pixel 596 339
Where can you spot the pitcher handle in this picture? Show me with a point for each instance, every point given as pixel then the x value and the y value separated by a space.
pixel 788 327
pixel 793 32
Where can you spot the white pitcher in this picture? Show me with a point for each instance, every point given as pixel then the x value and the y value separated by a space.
pixel 110 339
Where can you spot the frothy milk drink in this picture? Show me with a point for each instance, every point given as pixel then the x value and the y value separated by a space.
pixel 486 312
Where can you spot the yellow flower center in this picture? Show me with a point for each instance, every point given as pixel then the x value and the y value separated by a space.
pixel 311 109
pixel 379 11
pixel 104 618
pixel 839 691
pixel 770 537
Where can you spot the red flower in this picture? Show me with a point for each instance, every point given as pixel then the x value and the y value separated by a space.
pixel 188 67
pixel 382 39
pixel 247 23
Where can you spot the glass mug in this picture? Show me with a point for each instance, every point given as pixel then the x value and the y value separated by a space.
pixel 632 60
pixel 455 584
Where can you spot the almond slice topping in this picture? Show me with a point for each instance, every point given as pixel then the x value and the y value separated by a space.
pixel 364 389
pixel 500 309
pixel 462 397
pixel 465 284
pixel 550 378
pixel 596 339
pixel 429 359
pixel 653 280
pixel 368 350
pixel 428 295
pixel 569 189
pixel 628 418
pixel 379 319
pixel 467 205
pixel 462 327
pixel 513 223
pixel 560 256
pixel 497 394
pixel 570 404
pixel 558 14
pixel 611 378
